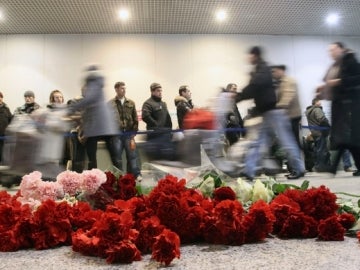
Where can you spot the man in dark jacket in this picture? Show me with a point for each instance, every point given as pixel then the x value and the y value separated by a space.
pixel 30 104
pixel 342 86
pixel 319 127
pixel 275 120
pixel 5 118
pixel 183 104
pixel 158 122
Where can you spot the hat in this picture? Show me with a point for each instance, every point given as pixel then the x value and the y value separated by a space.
pixel 282 67
pixel 155 86
pixel 29 93
pixel 256 50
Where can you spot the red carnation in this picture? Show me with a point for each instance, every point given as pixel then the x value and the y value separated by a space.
pixel 224 226
pixel 319 203
pixel 346 220
pixel 85 243
pixel 331 229
pixel 48 229
pixel 224 193
pixel 148 229
pixel 123 252
pixel 211 232
pixel 166 247
pixel 298 225
pixel 258 222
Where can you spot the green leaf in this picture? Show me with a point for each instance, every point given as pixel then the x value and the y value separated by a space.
pixel 218 181
pixel 305 185
pixel 279 188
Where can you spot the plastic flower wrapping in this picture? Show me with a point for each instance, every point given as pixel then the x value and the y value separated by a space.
pixel 105 214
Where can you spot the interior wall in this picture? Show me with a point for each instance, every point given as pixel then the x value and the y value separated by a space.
pixel 43 63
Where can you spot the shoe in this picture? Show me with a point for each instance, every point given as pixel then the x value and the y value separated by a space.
pixel 295 175
pixel 356 173
pixel 139 178
pixel 348 169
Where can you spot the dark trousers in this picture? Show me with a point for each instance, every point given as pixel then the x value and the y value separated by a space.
pixel 295 128
pixel 77 153
pixel 322 155
pixel 355 152
pixel 112 145
pixel 1 147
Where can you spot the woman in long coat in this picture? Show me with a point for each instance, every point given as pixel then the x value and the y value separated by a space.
pixel 343 82
pixel 98 120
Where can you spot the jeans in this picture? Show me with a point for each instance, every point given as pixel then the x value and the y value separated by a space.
pixel 346 159
pixel 112 145
pixel 275 122
pixel 132 159
pixel 338 153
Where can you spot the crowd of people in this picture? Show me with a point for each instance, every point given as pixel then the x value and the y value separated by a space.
pixel 276 99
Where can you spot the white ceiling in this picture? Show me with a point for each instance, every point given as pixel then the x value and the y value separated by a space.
pixel 274 17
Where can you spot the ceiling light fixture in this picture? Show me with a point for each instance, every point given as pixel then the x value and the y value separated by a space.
pixel 332 19
pixel 123 14
pixel 220 15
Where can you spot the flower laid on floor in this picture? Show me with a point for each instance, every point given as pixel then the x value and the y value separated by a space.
pixel 101 214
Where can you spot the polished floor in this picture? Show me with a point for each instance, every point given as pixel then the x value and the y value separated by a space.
pixel 271 254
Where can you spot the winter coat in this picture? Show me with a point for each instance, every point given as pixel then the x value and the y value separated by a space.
pixel 97 118
pixel 260 88
pixel 345 106
pixel 156 115
pixel 27 108
pixel 317 119
pixel 183 106
pixel 125 114
pixel 5 118
pixel 288 97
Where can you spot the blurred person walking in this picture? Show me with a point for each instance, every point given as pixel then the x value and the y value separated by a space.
pixel 77 139
pixel 127 120
pixel 342 86
pixel 233 117
pixel 275 120
pixel 97 119
pixel 56 102
pixel 288 98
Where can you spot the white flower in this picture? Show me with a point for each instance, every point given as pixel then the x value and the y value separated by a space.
pixel 242 189
pixel 261 192
pixel 207 186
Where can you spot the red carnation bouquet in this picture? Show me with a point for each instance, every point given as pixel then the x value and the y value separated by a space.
pixel 116 187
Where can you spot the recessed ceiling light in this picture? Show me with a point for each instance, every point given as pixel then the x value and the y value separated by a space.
pixel 123 14
pixel 332 19
pixel 221 15
pixel 1 15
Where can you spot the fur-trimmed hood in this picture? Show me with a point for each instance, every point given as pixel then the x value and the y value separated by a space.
pixel 179 99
